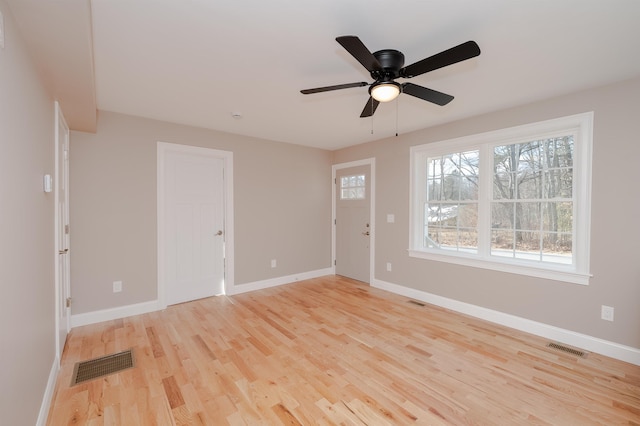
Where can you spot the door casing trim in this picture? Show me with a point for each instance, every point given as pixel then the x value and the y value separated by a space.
pixel 58 286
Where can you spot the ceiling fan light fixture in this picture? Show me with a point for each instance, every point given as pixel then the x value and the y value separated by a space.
pixel 385 91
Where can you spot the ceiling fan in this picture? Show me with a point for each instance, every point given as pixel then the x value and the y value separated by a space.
pixel 387 65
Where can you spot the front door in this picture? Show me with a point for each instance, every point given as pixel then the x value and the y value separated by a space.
pixel 193 224
pixel 61 182
pixel 353 222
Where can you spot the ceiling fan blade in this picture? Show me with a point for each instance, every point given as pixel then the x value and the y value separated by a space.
pixel 336 87
pixel 429 95
pixel 358 50
pixel 369 108
pixel 456 54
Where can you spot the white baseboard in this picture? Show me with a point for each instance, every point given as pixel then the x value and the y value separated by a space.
pixel 154 305
pixel 589 343
pixel 48 393
pixel 274 282
pixel 114 313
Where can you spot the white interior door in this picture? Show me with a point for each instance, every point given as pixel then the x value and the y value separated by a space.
pixel 353 222
pixel 61 182
pixel 194 225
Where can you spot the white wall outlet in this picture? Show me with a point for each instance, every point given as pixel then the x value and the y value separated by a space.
pixel 389 266
pixel 117 286
pixel 391 218
pixel 274 263
pixel 606 313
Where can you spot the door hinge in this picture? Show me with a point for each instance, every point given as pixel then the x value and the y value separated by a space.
pixel 66 229
pixel 68 302
pixel 334 262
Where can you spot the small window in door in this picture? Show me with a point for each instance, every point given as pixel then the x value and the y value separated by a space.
pixel 352 187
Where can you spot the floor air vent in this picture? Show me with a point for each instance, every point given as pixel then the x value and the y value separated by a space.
pixel 415 302
pixel 103 366
pixel 572 351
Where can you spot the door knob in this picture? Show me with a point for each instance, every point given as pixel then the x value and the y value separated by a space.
pixel 365 233
pixel 65 251
pixel 219 232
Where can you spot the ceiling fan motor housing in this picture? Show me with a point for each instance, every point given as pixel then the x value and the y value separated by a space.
pixel 391 62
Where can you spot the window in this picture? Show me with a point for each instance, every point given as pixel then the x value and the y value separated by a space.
pixel 352 187
pixel 515 200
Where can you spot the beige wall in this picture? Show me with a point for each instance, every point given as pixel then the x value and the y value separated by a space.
pixel 615 221
pixel 282 204
pixel 26 224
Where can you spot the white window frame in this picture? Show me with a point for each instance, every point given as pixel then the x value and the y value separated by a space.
pixel 580 126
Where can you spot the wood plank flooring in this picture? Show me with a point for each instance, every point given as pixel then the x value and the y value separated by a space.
pixel 334 351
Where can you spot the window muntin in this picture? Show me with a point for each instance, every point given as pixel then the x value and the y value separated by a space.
pixel 529 211
pixel 353 187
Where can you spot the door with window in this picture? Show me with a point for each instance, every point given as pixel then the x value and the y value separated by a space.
pixel 193 229
pixel 353 222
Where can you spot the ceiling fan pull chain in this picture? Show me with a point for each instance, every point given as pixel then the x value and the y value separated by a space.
pixel 372 110
pixel 397 107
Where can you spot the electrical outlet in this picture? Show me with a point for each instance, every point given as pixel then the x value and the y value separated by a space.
pixel 606 313
pixel 117 286
pixel 389 266
pixel 274 263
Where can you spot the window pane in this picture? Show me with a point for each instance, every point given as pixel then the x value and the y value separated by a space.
pixel 529 185
pixel 502 243
pixel 504 186
pixel 559 152
pixel 433 238
pixel 432 213
pixel 502 215
pixel 353 187
pixel 468 216
pixel 557 247
pixel 434 189
pixel 468 240
pixel 527 216
pixel 469 188
pixel 558 183
pixel 527 245
pixel 557 217
pixel 448 238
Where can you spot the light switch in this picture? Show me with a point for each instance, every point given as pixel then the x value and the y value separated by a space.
pixel 391 218
pixel 47 183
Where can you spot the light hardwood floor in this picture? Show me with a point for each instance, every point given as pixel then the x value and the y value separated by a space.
pixel 334 351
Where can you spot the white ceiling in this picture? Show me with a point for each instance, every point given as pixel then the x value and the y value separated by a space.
pixel 198 61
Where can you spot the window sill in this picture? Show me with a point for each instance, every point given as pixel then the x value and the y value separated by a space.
pixel 523 268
